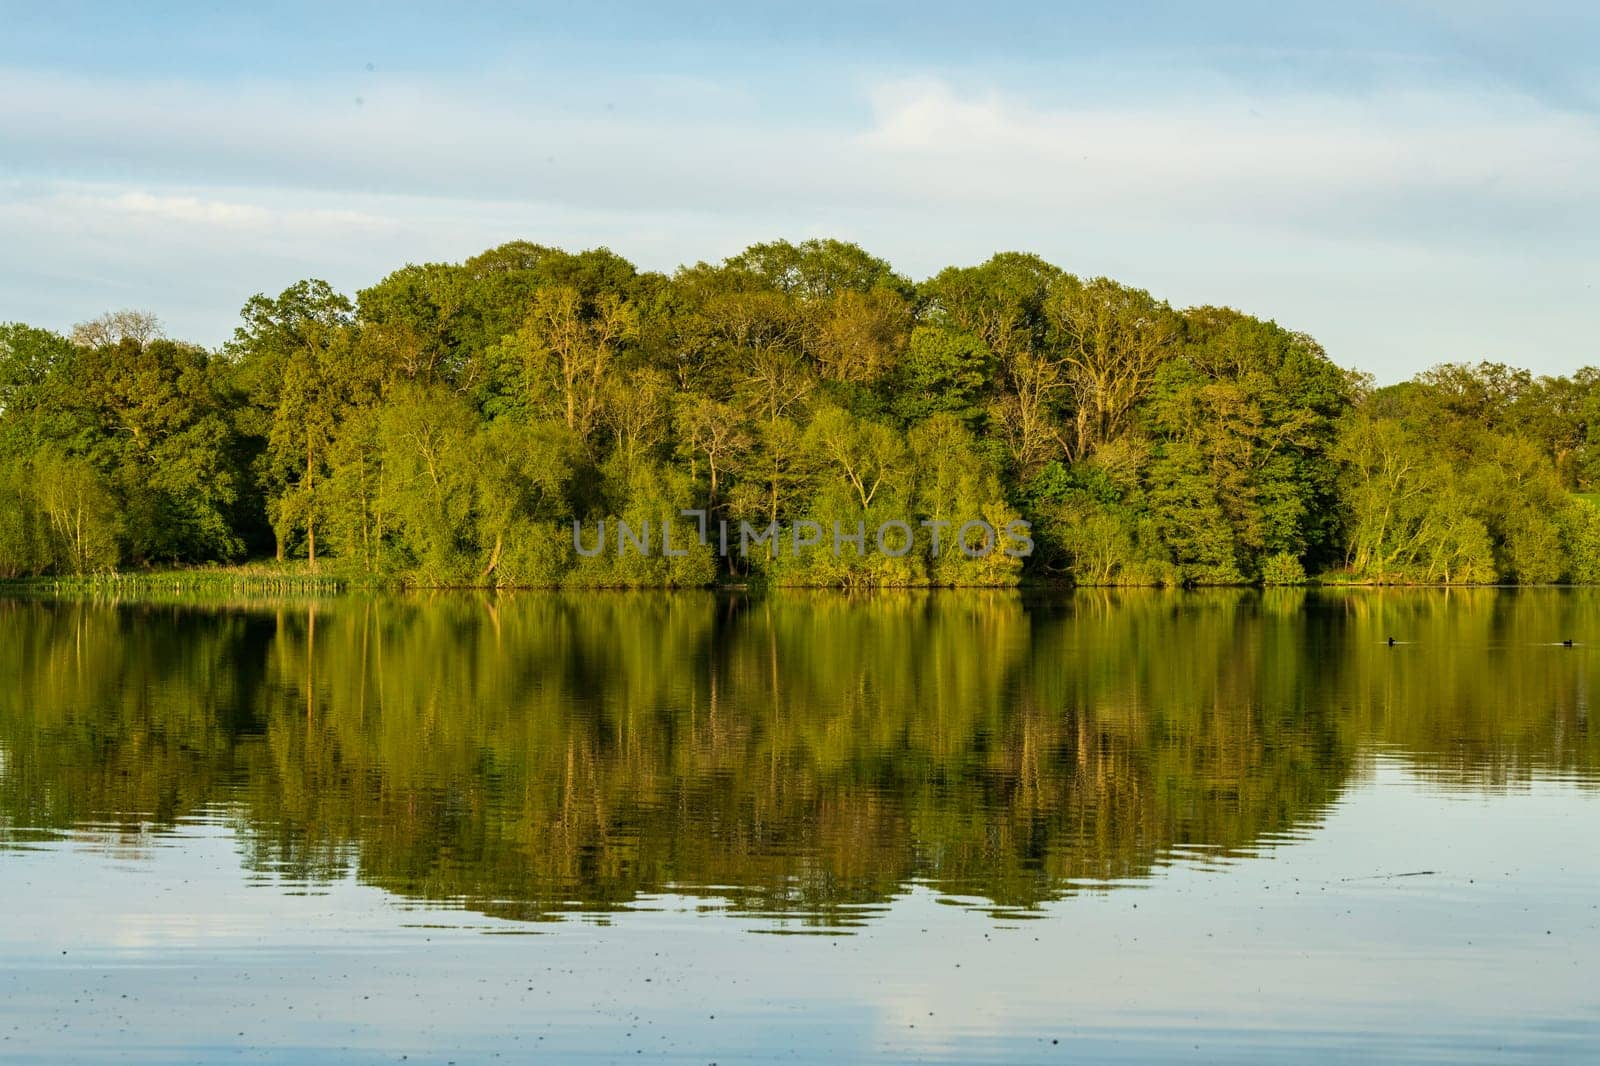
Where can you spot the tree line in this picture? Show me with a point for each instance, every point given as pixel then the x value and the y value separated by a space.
pixel 447 425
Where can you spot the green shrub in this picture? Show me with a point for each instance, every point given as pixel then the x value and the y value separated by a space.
pixel 1282 569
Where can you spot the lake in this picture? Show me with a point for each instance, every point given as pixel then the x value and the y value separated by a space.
pixel 706 827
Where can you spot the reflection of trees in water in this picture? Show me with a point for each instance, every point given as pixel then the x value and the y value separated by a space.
pixel 804 753
pixel 1480 693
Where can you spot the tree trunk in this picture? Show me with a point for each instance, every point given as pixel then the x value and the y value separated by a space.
pixel 494 556
pixel 311 517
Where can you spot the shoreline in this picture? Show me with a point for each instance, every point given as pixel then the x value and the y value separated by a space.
pixel 250 581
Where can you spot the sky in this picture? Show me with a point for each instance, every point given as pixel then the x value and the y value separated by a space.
pixel 1409 182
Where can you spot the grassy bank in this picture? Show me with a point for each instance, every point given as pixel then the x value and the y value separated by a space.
pixel 256 579
pixel 269 579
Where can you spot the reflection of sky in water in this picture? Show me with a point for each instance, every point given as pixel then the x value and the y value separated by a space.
pixel 1313 946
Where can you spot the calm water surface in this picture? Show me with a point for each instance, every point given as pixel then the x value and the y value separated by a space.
pixel 986 826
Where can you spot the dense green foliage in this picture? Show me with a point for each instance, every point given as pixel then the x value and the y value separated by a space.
pixel 448 425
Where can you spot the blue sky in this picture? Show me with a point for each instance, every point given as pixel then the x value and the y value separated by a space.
pixel 1409 182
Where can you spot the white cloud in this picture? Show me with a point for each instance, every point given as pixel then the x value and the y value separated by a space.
pixel 214 213
pixel 1385 221
pixel 498 139
pixel 1242 157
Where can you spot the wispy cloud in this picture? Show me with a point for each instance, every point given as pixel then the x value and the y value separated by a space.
pixel 500 137
pixel 1369 217
pixel 255 219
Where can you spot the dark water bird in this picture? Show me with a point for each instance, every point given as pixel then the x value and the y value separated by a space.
pixel 1391 642
pixel 1567 643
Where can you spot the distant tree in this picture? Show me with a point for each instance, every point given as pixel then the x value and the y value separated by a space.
pixel 82 514
pixel 565 354
pixel 114 327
